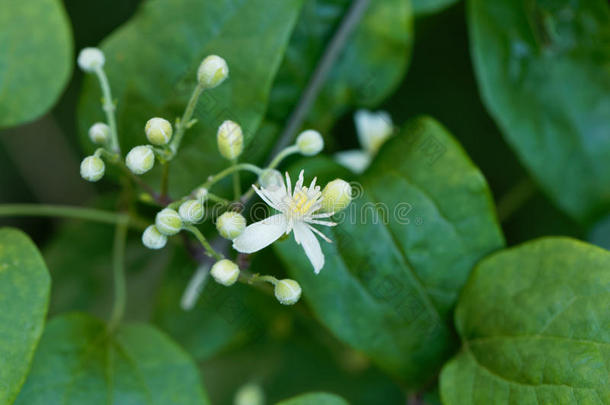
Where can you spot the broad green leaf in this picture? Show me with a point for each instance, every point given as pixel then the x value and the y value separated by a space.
pixel 152 63
pixel 35 58
pixel 24 296
pixel 421 218
pixel 424 7
pixel 315 398
pixel 370 66
pixel 80 361
pixel 543 69
pixel 536 328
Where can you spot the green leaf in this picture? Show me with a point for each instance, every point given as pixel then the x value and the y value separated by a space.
pixel 80 361
pixel 535 324
pixel 424 7
pixel 314 398
pixel 36 58
pixel 370 66
pixel 543 68
pixel 24 296
pixel 152 63
pixel 421 219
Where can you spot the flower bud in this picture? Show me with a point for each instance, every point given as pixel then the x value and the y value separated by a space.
pixel 373 129
pixel 336 196
pixel 310 142
pixel 225 272
pixel 153 239
pixel 90 59
pixel 191 211
pixel 140 159
pixel 99 133
pixel 230 140
pixel 201 194
pixel 271 179
pixel 168 222
pixel 212 71
pixel 92 168
pixel 287 291
pixel 230 224
pixel 249 394
pixel 158 131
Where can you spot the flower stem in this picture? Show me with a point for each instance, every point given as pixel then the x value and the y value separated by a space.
pixel 282 155
pixel 120 283
pixel 185 121
pixel 241 166
pixel 204 242
pixel 515 198
pixel 236 184
pixel 109 108
pixel 165 180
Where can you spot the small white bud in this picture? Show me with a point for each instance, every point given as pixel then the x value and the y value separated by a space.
pixel 99 133
pixel 90 59
pixel 271 179
pixel 230 225
pixel 201 194
pixel 158 131
pixel 287 291
pixel 373 129
pixel 191 211
pixel 140 159
pixel 230 140
pixel 212 71
pixel 153 239
pixel 336 196
pixel 168 222
pixel 249 394
pixel 225 272
pixel 310 142
pixel 92 168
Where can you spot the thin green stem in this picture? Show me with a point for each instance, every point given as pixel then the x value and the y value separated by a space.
pixel 120 283
pixel 515 198
pixel 109 108
pixel 282 155
pixel 268 279
pixel 236 183
pixel 204 242
pixel 165 180
pixel 221 175
pixel 185 121
pixel 217 199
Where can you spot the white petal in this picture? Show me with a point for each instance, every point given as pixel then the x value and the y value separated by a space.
pixel 299 185
pixel 355 160
pixel 288 184
pixel 265 198
pixel 305 237
pixel 260 234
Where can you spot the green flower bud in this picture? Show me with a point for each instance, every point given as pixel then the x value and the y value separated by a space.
pixel 310 142
pixel 158 131
pixel 250 394
pixel 92 168
pixel 230 140
pixel 336 196
pixel 140 159
pixel 230 224
pixel 212 71
pixel 287 291
pixel 168 222
pixel 225 272
pixel 201 194
pixel 191 211
pixel 270 179
pixel 99 133
pixel 153 239
pixel 90 59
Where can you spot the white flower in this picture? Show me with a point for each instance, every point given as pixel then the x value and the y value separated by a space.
pixel 298 210
pixel 373 128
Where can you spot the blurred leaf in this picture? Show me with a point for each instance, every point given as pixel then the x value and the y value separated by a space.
pixel 152 63
pixel 544 71
pixel 422 216
pixel 24 297
pixel 80 361
pixel 534 321
pixel 35 58
pixel 314 398
pixel 423 7
pixel 369 67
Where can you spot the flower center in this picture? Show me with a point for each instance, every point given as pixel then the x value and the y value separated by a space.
pixel 302 203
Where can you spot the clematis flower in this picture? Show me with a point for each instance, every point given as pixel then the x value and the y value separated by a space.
pixel 298 211
pixel 373 128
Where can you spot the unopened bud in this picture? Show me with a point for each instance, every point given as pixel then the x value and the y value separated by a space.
pixel 140 159
pixel 158 131
pixel 99 133
pixel 250 394
pixel 271 179
pixel 153 239
pixel 92 168
pixel 231 224
pixel 230 140
pixel 287 291
pixel 336 196
pixel 212 71
pixel 225 272
pixel 191 211
pixel 168 222
pixel 310 142
pixel 90 59
pixel 201 194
